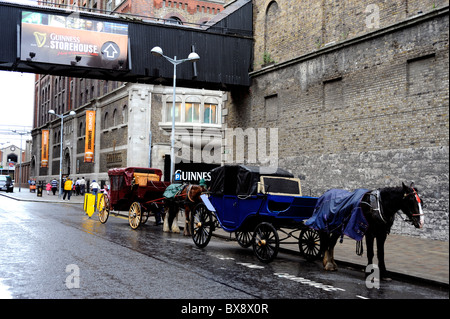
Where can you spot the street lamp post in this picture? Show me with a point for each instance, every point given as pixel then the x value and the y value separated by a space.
pixel 62 117
pixel 193 57
pixel 20 156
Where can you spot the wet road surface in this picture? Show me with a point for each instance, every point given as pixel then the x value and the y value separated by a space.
pixel 56 251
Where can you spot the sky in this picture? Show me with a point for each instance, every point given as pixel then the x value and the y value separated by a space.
pixel 16 106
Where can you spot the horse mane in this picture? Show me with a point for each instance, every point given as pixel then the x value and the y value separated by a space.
pixel 391 193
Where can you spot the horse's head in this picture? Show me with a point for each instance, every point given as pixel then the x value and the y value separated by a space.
pixel 412 205
pixel 194 192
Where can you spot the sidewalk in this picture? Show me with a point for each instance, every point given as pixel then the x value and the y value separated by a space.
pixel 26 195
pixel 415 258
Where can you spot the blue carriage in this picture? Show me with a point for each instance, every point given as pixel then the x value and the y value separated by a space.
pixel 257 204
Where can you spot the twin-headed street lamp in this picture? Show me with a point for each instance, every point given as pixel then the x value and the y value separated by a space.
pixel 193 57
pixel 62 117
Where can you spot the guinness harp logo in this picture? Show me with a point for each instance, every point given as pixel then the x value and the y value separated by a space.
pixel 40 38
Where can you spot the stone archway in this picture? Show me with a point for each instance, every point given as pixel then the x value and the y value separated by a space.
pixel 66 167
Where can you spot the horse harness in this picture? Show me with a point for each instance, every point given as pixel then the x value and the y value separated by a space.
pixel 377 209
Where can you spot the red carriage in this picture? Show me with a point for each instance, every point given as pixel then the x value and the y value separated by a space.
pixel 137 190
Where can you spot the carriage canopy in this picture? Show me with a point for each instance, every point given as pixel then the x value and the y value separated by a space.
pixel 244 180
pixel 120 175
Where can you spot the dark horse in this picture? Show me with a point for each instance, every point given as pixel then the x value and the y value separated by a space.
pixel 187 197
pixel 379 208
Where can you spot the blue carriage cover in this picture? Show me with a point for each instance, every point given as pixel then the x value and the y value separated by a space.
pixel 339 211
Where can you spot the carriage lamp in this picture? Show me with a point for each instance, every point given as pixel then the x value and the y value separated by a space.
pixel 192 57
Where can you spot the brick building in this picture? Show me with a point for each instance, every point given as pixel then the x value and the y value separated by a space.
pixel 359 93
pixel 132 120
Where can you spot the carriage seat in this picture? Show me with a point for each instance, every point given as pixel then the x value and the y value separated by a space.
pixel 142 179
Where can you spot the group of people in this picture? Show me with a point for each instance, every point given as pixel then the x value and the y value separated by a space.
pixel 79 187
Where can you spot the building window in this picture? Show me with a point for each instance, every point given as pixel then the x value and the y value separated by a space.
pixel 174 20
pixel 125 114
pixel 210 114
pixel 192 112
pixel 114 118
pixel 105 121
pixel 177 112
pixel 81 131
pixel 193 109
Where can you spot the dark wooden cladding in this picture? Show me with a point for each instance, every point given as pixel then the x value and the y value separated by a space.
pixel 225 49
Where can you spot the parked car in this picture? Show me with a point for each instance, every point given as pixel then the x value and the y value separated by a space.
pixel 6 183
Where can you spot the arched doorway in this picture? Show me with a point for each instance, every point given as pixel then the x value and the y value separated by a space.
pixel 66 162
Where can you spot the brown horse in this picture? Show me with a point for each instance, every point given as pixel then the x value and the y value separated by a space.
pixel 379 208
pixel 186 198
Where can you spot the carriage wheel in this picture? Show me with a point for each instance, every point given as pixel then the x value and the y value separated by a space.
pixel 244 238
pixel 309 244
pixel 202 225
pixel 265 242
pixel 104 208
pixel 135 215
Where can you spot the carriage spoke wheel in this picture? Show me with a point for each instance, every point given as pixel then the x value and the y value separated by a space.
pixel 265 242
pixel 244 238
pixel 104 208
pixel 135 215
pixel 309 244
pixel 202 225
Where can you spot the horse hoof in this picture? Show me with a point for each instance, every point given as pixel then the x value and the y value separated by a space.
pixel 330 267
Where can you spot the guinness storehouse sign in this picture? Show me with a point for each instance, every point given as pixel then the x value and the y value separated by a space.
pixel 71 40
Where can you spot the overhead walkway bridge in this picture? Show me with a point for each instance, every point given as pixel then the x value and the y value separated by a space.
pixel 46 40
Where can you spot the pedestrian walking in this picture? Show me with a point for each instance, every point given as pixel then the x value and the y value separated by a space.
pixel 94 187
pixel 54 183
pixel 82 186
pixel 77 186
pixel 105 189
pixel 48 187
pixel 67 188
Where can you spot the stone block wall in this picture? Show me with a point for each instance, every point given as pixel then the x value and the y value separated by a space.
pixel 368 112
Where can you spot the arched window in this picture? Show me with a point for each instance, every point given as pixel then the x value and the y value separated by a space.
pixel 210 111
pixel 105 121
pixel 125 114
pixel 192 110
pixel 114 118
pixel 271 30
pixel 177 109
pixel 174 20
